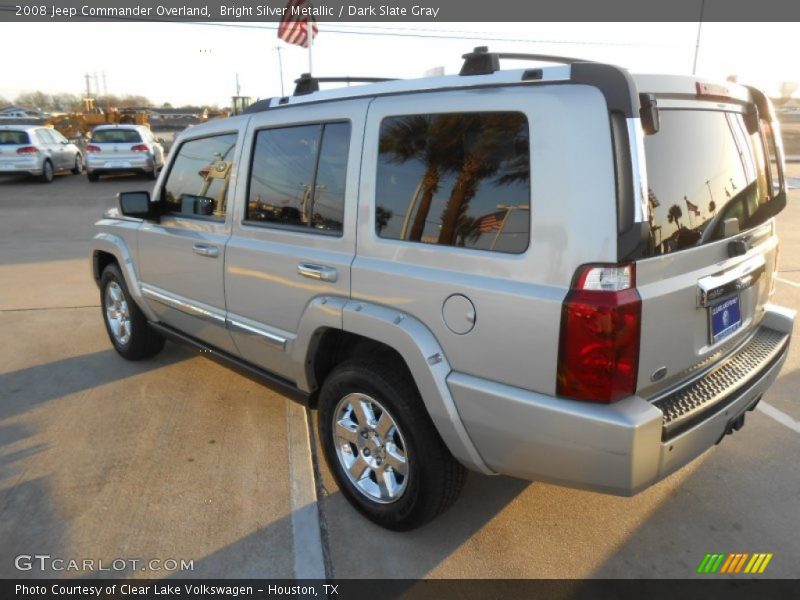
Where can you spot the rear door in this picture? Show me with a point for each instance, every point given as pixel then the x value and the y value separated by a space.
pixel 713 248
pixel 294 232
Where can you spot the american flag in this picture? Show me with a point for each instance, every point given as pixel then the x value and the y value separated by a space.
pixel 692 207
pixel 491 222
pixel 296 27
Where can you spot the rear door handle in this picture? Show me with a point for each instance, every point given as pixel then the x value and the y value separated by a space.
pixel 206 250
pixel 320 272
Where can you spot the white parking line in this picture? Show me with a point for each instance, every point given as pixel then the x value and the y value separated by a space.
pixel 308 557
pixel 778 415
pixel 793 283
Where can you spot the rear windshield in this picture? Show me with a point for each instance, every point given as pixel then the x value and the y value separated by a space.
pixel 14 138
pixel 116 136
pixel 703 167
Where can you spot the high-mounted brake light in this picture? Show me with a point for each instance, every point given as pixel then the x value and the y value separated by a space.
pixel 93 148
pixel 139 148
pixel 598 355
pixel 27 150
pixel 713 90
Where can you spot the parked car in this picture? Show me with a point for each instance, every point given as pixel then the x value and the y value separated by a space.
pixel 37 151
pixel 116 149
pixel 559 274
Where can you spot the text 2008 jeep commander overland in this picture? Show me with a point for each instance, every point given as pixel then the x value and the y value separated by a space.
pixel 556 273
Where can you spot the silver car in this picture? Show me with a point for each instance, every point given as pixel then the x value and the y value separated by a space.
pixel 37 151
pixel 560 274
pixel 114 149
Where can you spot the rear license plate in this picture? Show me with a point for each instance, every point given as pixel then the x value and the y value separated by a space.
pixel 725 318
pixel 117 164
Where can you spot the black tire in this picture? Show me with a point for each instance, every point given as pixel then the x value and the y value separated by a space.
pixel 154 173
pixel 78 168
pixel 143 341
pixel 93 177
pixel 47 172
pixel 435 478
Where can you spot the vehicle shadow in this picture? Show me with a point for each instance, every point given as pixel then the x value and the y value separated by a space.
pixel 24 389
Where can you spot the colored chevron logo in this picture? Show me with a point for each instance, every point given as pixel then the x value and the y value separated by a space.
pixel 734 563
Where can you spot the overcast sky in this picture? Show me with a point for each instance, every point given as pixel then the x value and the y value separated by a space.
pixel 197 64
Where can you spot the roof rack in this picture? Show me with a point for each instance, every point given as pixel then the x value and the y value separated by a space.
pixel 482 62
pixel 308 84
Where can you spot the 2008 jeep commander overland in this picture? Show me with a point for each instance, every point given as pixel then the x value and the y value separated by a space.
pixel 557 273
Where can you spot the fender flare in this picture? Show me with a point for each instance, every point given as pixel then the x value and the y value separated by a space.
pixel 413 341
pixel 116 246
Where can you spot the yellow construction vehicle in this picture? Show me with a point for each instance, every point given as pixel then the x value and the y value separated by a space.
pixel 78 124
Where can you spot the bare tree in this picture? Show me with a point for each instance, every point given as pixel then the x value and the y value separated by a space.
pixel 38 100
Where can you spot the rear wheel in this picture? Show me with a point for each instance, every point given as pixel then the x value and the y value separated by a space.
pixel 126 325
pixel 93 177
pixel 47 172
pixel 154 173
pixel 383 448
pixel 78 168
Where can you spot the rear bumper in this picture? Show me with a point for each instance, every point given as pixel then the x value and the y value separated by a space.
pixel 31 166
pixel 144 164
pixel 621 448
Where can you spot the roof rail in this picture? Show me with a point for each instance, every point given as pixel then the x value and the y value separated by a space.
pixel 307 84
pixel 482 62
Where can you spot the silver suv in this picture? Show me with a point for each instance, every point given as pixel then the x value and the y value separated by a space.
pixel 557 273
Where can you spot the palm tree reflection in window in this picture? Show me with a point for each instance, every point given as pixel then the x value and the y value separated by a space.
pixel 472 158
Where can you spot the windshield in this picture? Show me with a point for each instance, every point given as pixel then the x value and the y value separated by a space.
pixel 14 138
pixel 703 168
pixel 116 136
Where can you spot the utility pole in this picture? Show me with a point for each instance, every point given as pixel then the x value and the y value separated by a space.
pixel 237 85
pixel 88 86
pixel 105 89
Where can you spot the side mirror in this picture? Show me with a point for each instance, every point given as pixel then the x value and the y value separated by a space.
pixel 137 205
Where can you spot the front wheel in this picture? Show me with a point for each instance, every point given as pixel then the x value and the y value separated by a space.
pixel 382 447
pixel 126 325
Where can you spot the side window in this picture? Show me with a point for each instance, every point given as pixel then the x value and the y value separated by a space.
pixel 44 136
pixel 455 179
pixel 297 177
pixel 57 136
pixel 197 185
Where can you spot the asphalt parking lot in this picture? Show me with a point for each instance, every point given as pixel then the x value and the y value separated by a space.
pixel 177 458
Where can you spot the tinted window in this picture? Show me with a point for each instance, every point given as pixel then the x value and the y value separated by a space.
pixel 703 167
pixel 14 138
pixel 459 179
pixel 298 176
pixel 197 184
pixel 116 136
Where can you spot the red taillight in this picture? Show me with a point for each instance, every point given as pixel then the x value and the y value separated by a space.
pixel 139 148
pixel 93 148
pixel 27 150
pixel 598 355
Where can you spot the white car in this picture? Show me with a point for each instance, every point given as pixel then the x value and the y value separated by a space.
pixel 37 151
pixel 115 149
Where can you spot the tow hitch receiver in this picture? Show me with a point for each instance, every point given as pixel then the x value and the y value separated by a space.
pixel 737 422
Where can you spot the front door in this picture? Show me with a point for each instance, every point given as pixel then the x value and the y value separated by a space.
pixel 182 257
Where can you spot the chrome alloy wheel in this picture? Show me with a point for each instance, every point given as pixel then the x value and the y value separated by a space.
pixel 117 313
pixel 370 448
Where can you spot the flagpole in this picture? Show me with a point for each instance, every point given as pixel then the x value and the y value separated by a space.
pixel 310 43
